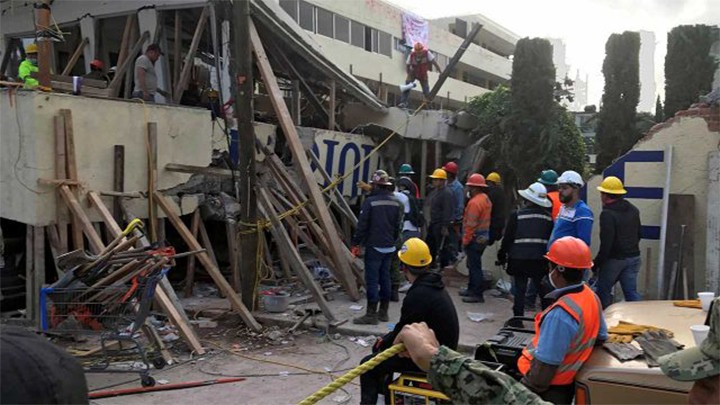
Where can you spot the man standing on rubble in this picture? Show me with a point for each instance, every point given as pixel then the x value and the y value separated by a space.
pixel 29 66
pixel 426 301
pixel 378 230
pixel 442 212
pixel 476 232
pixel 146 82
pixel 419 62
pixel 575 217
pixel 497 198
pixel 619 256
pixel 458 191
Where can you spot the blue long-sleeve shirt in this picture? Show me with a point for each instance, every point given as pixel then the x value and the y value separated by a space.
pixel 574 221
pixel 459 198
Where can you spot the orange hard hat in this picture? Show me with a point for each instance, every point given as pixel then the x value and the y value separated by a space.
pixel 97 63
pixel 451 167
pixel 571 252
pixel 476 180
pixel 418 46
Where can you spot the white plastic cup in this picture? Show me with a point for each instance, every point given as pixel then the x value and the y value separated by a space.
pixel 706 299
pixel 699 332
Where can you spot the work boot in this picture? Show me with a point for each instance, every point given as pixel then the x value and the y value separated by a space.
pixel 394 294
pixel 383 313
pixel 474 298
pixel 370 317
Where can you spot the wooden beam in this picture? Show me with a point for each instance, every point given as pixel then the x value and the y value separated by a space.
pixel 234 258
pixel 45 45
pixel 60 173
pixel 9 51
pixel 203 257
pixel 105 214
pixel 454 60
pixel 76 55
pixel 152 175
pixel 331 106
pixel 339 199
pixel 96 243
pixel 187 65
pixel 212 171
pixel 118 179
pixel 177 47
pixel 190 269
pixel 131 58
pixel 72 173
pixel 343 271
pixel 55 247
pixel 114 85
pixel 34 270
pixel 125 43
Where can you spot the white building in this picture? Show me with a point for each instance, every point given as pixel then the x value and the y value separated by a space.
pixel 647 72
pixel 562 69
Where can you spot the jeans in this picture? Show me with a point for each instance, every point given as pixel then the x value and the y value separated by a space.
pixel 532 292
pixel 439 245
pixel 623 270
pixel 524 270
pixel 377 273
pixel 375 381
pixel 474 252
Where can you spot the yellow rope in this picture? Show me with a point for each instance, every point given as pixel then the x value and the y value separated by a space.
pixel 352 374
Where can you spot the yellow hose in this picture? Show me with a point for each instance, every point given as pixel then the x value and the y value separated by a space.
pixel 352 374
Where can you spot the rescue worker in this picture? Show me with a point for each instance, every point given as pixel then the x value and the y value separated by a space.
pixel 418 63
pixel 378 230
pixel 29 66
pixel 567 331
pixel 619 256
pixel 458 192
pixel 575 217
pixel 549 179
pixel 146 82
pixel 426 301
pixel 525 243
pixel 497 198
pixel 406 181
pixel 97 71
pixel 476 232
pixel 442 211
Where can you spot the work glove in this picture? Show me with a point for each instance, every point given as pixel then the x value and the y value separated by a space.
pixel 355 250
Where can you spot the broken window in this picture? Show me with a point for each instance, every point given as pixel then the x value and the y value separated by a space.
pixel 307 16
pixel 357 37
pixel 385 44
pixel 290 7
pixel 342 29
pixel 324 22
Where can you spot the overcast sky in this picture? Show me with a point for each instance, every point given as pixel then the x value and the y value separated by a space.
pixel 584 25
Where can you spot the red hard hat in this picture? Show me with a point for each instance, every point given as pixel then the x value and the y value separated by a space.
pixel 476 180
pixel 451 167
pixel 97 63
pixel 570 252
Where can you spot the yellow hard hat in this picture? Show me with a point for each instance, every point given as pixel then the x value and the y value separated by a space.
pixel 612 185
pixel 32 48
pixel 439 174
pixel 494 177
pixel 416 253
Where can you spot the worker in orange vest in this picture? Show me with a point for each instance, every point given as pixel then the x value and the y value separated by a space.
pixel 549 179
pixel 567 331
pixel 476 233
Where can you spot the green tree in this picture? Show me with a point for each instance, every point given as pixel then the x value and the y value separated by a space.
pixel 659 116
pixel 689 68
pixel 616 121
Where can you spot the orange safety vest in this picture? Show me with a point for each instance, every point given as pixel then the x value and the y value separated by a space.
pixel 554 196
pixel 585 308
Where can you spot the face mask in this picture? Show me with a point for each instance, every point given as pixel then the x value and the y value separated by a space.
pixel 550 277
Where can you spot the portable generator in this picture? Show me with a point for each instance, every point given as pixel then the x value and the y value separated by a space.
pixel 414 389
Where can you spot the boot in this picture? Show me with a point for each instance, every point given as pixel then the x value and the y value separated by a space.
pixel 394 294
pixel 464 292
pixel 474 298
pixel 383 313
pixel 370 317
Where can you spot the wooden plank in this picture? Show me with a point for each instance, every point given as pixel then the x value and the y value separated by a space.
pixel 212 171
pixel 130 71
pixel 331 106
pixel 342 267
pixel 125 43
pixel 31 297
pixel 207 244
pixel 152 151
pixel 72 174
pixel 190 270
pixel 454 60
pixel 45 45
pixel 96 243
pixel 54 242
pixel 74 58
pixel 203 257
pixel 286 247
pixel 233 257
pixel 339 199
pixel 187 65
pixel 60 173
pixel 105 214
pixel 661 269
pixel 177 43
pixel 123 68
pixel 118 179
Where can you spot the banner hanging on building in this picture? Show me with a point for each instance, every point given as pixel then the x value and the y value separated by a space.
pixel 415 29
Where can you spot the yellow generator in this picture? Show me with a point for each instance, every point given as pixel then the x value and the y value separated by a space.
pixel 414 389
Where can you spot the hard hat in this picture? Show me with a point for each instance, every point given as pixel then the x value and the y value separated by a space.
pixel 416 253
pixel 571 252
pixel 451 167
pixel 536 193
pixel 612 185
pixel 406 169
pixel 381 178
pixel 113 69
pixel 418 47
pixel 571 177
pixel 548 177
pixel 476 180
pixel 97 63
pixel 32 48
pixel 494 177
pixel 439 174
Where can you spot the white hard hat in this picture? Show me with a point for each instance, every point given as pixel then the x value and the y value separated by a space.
pixel 571 177
pixel 536 193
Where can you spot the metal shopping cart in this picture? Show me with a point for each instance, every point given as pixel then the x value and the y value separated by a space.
pixel 115 313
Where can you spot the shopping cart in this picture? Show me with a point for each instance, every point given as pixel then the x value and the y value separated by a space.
pixel 114 313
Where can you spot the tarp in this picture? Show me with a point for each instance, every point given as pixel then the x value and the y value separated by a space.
pixel 415 29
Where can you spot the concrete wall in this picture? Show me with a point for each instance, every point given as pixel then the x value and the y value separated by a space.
pixel 28 147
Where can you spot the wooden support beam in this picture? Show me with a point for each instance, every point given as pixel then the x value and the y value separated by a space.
pixel 45 44
pixel 454 60
pixel 10 48
pixel 130 71
pixel 331 106
pixel 125 43
pixel 187 65
pixel 190 269
pixel 74 58
pixel 177 47
pixel 34 270
pixel 212 171
pixel 96 243
pixel 55 246
pixel 203 257
pixel 72 173
pixel 114 85
pixel 342 266
pixel 60 173
pixel 339 199
pixel 152 175
pixel 118 179
pixel 233 257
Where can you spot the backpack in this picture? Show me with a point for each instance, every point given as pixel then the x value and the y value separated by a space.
pixel 415 216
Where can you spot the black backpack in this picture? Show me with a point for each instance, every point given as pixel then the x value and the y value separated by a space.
pixel 415 216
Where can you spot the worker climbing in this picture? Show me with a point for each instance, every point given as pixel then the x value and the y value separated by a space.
pixel 419 63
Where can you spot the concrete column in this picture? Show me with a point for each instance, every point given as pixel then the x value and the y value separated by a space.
pixel 88 30
pixel 148 21
pixel 712 252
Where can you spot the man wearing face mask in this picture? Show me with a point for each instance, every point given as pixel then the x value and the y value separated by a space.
pixel 575 217
pixel 29 66
pixel 567 331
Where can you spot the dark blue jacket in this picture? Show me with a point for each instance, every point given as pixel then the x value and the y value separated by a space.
pixel 380 220
pixel 527 233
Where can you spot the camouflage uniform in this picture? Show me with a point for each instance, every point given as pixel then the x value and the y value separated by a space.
pixel 696 363
pixel 468 381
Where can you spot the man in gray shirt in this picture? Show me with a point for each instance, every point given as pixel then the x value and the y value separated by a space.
pixel 146 83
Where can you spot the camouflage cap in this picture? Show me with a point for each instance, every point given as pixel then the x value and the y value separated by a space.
pixel 698 362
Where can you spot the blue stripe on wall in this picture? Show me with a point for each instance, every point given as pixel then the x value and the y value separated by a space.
pixel 650 232
pixel 648 193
